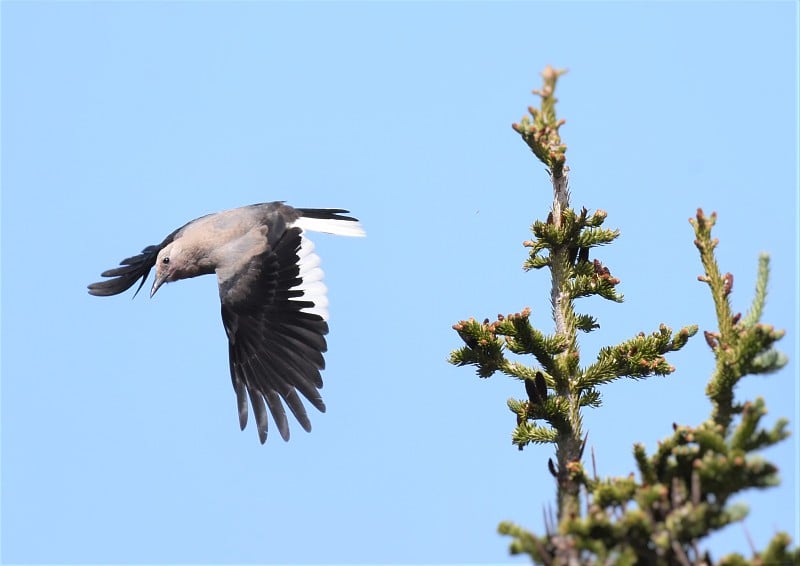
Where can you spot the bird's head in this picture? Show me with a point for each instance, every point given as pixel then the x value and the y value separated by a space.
pixel 168 266
pixel 180 259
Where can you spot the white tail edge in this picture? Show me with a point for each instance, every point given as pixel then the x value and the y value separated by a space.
pixel 334 226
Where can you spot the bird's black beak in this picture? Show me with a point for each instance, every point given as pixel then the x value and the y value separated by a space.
pixel 156 284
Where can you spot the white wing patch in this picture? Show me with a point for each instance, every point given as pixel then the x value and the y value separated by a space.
pixel 311 273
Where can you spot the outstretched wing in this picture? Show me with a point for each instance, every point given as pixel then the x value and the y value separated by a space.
pixel 273 310
pixel 132 268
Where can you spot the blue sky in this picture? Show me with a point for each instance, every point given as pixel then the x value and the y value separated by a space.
pixel 122 121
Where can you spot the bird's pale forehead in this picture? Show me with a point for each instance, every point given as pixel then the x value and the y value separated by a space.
pixel 170 250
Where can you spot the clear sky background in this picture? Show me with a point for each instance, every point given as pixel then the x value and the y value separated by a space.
pixel 121 121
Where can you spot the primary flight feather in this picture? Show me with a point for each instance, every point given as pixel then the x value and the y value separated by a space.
pixel 274 304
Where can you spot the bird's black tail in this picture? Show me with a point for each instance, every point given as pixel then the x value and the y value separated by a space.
pixel 329 221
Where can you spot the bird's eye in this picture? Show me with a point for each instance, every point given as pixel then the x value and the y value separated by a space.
pixel 165 260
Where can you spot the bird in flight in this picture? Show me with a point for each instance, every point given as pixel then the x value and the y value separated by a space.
pixel 274 304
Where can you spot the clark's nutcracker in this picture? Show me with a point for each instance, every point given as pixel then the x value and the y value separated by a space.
pixel 274 304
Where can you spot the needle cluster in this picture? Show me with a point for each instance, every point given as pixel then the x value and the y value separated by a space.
pixel 683 491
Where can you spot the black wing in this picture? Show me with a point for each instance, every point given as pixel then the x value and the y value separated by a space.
pixel 132 269
pixel 275 347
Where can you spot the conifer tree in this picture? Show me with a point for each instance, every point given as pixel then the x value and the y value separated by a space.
pixel 682 491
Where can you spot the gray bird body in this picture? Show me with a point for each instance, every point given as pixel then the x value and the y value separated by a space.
pixel 274 304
